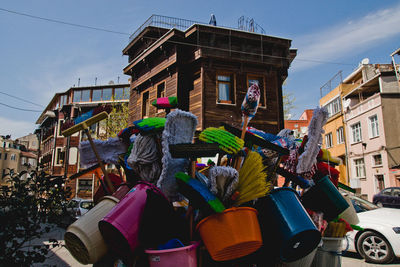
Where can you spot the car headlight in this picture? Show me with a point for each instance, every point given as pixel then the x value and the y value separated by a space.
pixel 396 230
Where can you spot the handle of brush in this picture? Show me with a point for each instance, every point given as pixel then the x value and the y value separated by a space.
pixel 244 130
pixel 106 178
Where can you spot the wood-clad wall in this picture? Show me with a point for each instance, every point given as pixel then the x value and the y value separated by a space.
pixel 196 98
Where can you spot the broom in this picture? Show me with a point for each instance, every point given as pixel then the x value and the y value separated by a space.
pixel 252 183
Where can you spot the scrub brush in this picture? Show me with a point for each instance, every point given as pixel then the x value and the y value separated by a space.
pixel 198 194
pixel 226 141
pixel 252 179
pixel 150 125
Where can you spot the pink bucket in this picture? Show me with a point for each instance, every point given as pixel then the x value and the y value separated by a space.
pixel 120 227
pixel 183 256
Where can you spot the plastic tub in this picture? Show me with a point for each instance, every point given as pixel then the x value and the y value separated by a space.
pixel 350 214
pixel 303 262
pixel 182 256
pixel 325 197
pixel 231 234
pixel 83 238
pixel 329 254
pixel 120 227
pixel 287 226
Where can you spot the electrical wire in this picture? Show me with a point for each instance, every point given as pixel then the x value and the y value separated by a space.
pixel 21 99
pixel 20 108
pixel 62 22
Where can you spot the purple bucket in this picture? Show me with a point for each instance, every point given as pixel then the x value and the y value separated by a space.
pixel 120 227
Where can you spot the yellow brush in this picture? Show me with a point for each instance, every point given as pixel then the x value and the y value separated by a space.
pixel 252 179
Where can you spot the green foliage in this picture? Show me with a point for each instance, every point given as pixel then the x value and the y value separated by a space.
pixel 117 120
pixel 30 206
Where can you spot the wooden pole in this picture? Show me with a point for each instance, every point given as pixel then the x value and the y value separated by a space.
pixel 244 130
pixel 106 178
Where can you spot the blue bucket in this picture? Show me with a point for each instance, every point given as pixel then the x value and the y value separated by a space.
pixel 287 226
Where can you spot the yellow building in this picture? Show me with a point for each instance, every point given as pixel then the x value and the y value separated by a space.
pixel 334 138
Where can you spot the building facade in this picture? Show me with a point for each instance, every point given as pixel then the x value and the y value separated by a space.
pixel 59 155
pixel 371 115
pixel 209 69
pixel 300 126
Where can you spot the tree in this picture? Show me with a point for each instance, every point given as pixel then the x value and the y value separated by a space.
pixel 117 120
pixel 288 104
pixel 29 208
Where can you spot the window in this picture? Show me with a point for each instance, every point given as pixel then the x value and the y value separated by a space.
pixel 396 192
pixel 107 94
pixel 161 90
pixel 13 157
pixel 96 95
pixel 85 96
pixel 356 132
pixel 73 155
pixel 84 185
pixel 5 156
pixel 386 192
pixel 260 81
pixel 145 105
pixel 225 89
pixel 373 126
pixel 377 160
pixel 328 140
pixel 59 157
pixel 121 93
pixel 359 168
pixel 333 107
pixel 340 135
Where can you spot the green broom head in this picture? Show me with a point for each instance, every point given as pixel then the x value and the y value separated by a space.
pixel 148 125
pixel 198 194
pixel 228 142
pixel 252 179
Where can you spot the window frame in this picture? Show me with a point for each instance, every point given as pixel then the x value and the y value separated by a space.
pixel 232 85
pixel 356 166
pixel 58 160
pixel 374 161
pixel 340 135
pixel 148 108
pixel 263 94
pixel 164 91
pixel 335 102
pixel 352 133
pixel 329 137
pixel 370 123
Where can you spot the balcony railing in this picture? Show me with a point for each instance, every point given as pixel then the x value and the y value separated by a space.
pixel 165 22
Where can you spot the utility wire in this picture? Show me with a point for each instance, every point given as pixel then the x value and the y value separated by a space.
pixel 21 99
pixel 20 108
pixel 62 22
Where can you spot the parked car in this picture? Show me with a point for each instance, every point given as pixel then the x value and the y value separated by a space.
pixel 388 197
pixel 379 242
pixel 78 207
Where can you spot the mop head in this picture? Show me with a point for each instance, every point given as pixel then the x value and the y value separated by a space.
pixel 308 158
pixel 250 102
pixel 223 181
pixel 226 141
pixel 144 158
pixel 198 194
pixel 150 125
pixel 166 102
pixel 179 128
pixel 252 183
pixel 108 151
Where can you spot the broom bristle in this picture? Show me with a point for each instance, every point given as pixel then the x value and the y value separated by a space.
pixel 252 179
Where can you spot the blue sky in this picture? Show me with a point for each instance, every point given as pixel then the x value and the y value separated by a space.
pixel 39 58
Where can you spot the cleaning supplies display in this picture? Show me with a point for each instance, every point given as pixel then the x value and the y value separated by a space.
pixel 189 198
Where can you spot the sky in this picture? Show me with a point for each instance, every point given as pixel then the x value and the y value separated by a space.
pixel 39 58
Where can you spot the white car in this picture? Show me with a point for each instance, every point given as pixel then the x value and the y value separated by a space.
pixel 379 242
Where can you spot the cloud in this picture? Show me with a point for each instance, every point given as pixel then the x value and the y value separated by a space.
pixel 352 36
pixel 16 128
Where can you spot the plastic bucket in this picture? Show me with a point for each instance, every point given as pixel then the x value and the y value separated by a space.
pixel 325 197
pixel 182 256
pixel 286 224
pixel 329 254
pixel 350 214
pixel 231 234
pixel 120 227
pixel 303 262
pixel 83 238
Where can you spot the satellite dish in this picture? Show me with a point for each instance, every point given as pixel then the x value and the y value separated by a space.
pixel 365 61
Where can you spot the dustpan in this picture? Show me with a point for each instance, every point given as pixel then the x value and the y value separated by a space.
pixel 179 128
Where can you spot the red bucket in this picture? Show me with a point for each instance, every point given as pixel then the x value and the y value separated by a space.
pixel 120 227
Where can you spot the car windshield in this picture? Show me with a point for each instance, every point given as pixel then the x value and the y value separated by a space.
pixel 86 205
pixel 361 205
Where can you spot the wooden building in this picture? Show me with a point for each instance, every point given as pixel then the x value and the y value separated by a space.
pixel 209 69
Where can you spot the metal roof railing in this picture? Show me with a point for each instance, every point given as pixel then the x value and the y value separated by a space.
pixel 165 22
